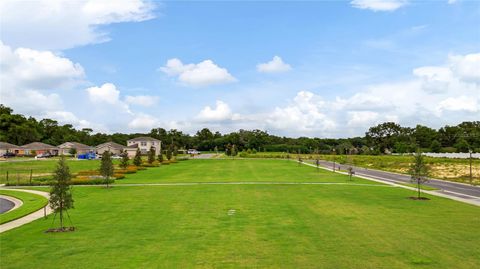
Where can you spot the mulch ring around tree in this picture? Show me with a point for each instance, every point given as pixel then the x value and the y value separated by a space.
pixel 60 230
pixel 418 198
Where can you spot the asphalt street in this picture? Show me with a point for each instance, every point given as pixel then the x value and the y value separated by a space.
pixel 452 188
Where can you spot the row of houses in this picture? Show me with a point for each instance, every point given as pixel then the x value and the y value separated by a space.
pixel 37 148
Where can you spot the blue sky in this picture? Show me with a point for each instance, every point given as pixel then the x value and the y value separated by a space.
pixel 340 66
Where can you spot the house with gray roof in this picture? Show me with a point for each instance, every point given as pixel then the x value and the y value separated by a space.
pixel 144 143
pixel 37 148
pixel 113 147
pixel 67 147
pixel 8 148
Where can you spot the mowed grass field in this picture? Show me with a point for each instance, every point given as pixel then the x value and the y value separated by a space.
pixel 235 170
pixel 250 226
pixel 42 168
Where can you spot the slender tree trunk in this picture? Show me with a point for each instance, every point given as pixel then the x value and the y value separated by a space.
pixel 61 215
pixel 418 188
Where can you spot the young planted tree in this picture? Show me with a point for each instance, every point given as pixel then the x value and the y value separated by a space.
pixel 160 158
pixel 228 150
pixel 233 151
pixel 169 153
pixel 60 194
pixel 137 160
pixel 125 159
pixel 151 155
pixel 106 167
pixel 419 171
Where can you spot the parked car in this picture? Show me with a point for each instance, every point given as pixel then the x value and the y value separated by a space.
pixel 44 155
pixel 8 155
pixel 193 151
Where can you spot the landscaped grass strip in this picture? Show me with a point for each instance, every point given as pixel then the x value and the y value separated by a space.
pixel 31 203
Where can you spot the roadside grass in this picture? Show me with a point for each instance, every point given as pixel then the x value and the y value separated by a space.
pixel 237 170
pixel 422 187
pixel 253 226
pixel 31 203
pixel 442 168
pixel 41 169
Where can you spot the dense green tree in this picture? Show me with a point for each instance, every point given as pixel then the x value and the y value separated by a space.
pixel 73 151
pixel 424 136
pixel 60 193
pixel 385 137
pixel 435 146
pixel 462 145
pixel 106 167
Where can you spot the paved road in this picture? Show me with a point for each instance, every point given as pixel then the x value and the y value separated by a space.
pixel 447 187
pixel 6 205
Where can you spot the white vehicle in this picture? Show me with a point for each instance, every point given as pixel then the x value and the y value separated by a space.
pixel 193 151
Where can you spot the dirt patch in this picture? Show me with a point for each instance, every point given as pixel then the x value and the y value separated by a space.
pixel 60 230
pixel 418 198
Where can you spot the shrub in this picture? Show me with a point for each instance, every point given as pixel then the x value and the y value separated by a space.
pixel 165 162
pixel 118 175
pixel 90 181
pixel 125 171
pixel 89 173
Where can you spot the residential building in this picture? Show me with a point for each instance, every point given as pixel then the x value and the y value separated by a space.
pixel 144 143
pixel 66 148
pixel 37 148
pixel 8 148
pixel 113 147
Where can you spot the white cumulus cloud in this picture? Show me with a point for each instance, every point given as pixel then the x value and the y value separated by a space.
pixel 466 67
pixel 141 100
pixel 204 73
pixel 220 112
pixel 107 93
pixel 379 5
pixel 61 24
pixel 460 103
pixel 276 65
pixel 143 122
pixel 34 69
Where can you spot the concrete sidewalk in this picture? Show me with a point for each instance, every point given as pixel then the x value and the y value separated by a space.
pixel 30 217
pixel 465 198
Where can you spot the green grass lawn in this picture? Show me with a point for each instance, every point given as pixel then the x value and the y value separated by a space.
pixel 227 170
pixel 31 203
pixel 42 168
pixel 250 226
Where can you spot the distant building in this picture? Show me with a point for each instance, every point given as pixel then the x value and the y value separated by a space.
pixel 37 148
pixel 66 147
pixel 143 143
pixel 113 147
pixel 8 148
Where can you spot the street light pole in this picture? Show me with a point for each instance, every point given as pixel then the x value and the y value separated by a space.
pixel 471 176
pixel 333 160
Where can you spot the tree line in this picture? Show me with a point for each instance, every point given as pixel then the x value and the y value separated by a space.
pixel 388 137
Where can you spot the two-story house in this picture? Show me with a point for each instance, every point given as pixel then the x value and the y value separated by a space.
pixel 144 143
